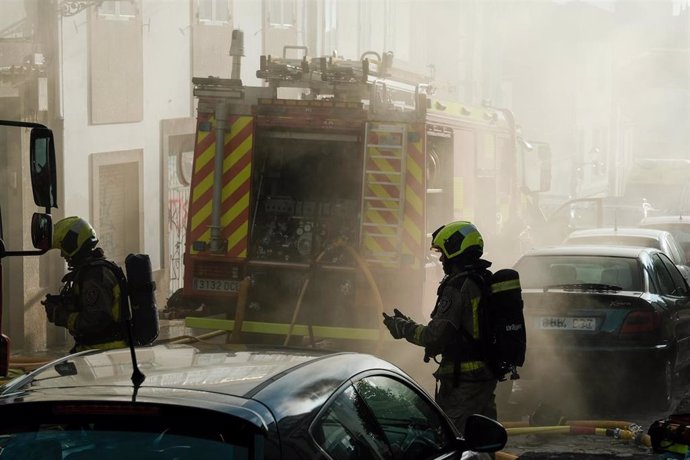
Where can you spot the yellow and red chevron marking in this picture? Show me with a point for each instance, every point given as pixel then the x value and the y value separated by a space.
pixel 381 213
pixel 234 212
pixel 413 236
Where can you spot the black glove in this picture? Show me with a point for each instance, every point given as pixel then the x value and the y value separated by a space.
pixel 400 326
pixel 398 314
pixel 56 310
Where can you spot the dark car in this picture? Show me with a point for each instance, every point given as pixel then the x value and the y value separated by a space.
pixel 225 401
pixel 614 319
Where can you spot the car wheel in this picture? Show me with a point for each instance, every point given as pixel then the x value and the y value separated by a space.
pixel 661 389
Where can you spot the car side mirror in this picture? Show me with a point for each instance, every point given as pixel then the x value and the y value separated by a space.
pixel 43 169
pixel 42 231
pixel 483 434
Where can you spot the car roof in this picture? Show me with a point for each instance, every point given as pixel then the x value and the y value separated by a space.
pixel 671 219
pixel 651 233
pixel 222 374
pixel 592 250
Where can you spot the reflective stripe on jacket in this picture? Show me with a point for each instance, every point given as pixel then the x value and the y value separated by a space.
pixel 457 306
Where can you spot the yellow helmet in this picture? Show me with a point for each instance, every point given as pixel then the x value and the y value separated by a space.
pixel 73 234
pixel 458 238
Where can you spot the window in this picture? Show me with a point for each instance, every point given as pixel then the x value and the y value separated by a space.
pixel 107 430
pixel 117 200
pixel 669 245
pixel 538 272
pixel 347 430
pixel 679 284
pixel 118 9
pixel 281 13
pixel 214 11
pixel 411 424
pixel 661 278
pixel 381 418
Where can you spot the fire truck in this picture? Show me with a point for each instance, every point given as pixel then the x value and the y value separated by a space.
pixel 313 197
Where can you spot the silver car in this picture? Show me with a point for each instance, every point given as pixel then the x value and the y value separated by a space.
pixel 633 236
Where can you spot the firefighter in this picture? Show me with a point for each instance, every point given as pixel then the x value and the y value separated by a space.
pixel 464 383
pixel 89 303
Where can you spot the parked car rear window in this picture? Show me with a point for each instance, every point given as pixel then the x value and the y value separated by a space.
pixel 105 431
pixel 70 442
pixel 542 271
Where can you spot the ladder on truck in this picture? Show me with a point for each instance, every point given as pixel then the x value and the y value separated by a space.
pixel 383 197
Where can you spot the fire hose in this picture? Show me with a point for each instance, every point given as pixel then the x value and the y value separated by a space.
pixel 361 263
pixel 616 429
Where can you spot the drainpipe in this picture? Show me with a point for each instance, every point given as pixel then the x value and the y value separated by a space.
pixel 216 245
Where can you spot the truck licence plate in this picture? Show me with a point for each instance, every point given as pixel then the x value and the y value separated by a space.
pixel 204 284
pixel 567 323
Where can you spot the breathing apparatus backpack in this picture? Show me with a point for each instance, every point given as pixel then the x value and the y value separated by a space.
pixel 501 322
pixel 137 296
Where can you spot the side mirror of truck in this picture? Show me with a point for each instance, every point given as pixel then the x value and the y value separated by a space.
pixel 42 231
pixel 43 169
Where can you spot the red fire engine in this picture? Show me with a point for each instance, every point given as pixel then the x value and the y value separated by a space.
pixel 323 200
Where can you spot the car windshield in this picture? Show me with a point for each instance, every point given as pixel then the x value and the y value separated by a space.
pixel 541 272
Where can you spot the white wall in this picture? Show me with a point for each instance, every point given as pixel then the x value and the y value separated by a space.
pixel 167 94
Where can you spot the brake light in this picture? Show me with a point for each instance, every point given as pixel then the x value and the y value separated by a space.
pixel 641 321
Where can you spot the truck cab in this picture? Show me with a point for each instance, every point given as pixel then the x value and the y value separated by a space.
pixel 43 172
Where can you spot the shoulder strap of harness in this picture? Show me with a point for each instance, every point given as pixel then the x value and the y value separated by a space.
pixel 121 280
pixel 471 348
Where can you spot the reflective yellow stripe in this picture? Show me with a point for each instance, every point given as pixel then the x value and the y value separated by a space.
pixel 471 366
pixel 466 366
pixel 505 286
pixel 475 317
pixel 676 448
pixel 115 309
pixel 351 333
pixel 72 321
pixel 418 331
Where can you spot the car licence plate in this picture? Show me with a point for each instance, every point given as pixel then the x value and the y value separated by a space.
pixel 204 284
pixel 567 323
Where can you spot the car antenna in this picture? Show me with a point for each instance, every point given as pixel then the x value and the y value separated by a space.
pixel 138 377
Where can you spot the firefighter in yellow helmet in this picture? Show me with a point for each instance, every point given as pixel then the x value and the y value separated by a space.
pixel 464 383
pixel 89 304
